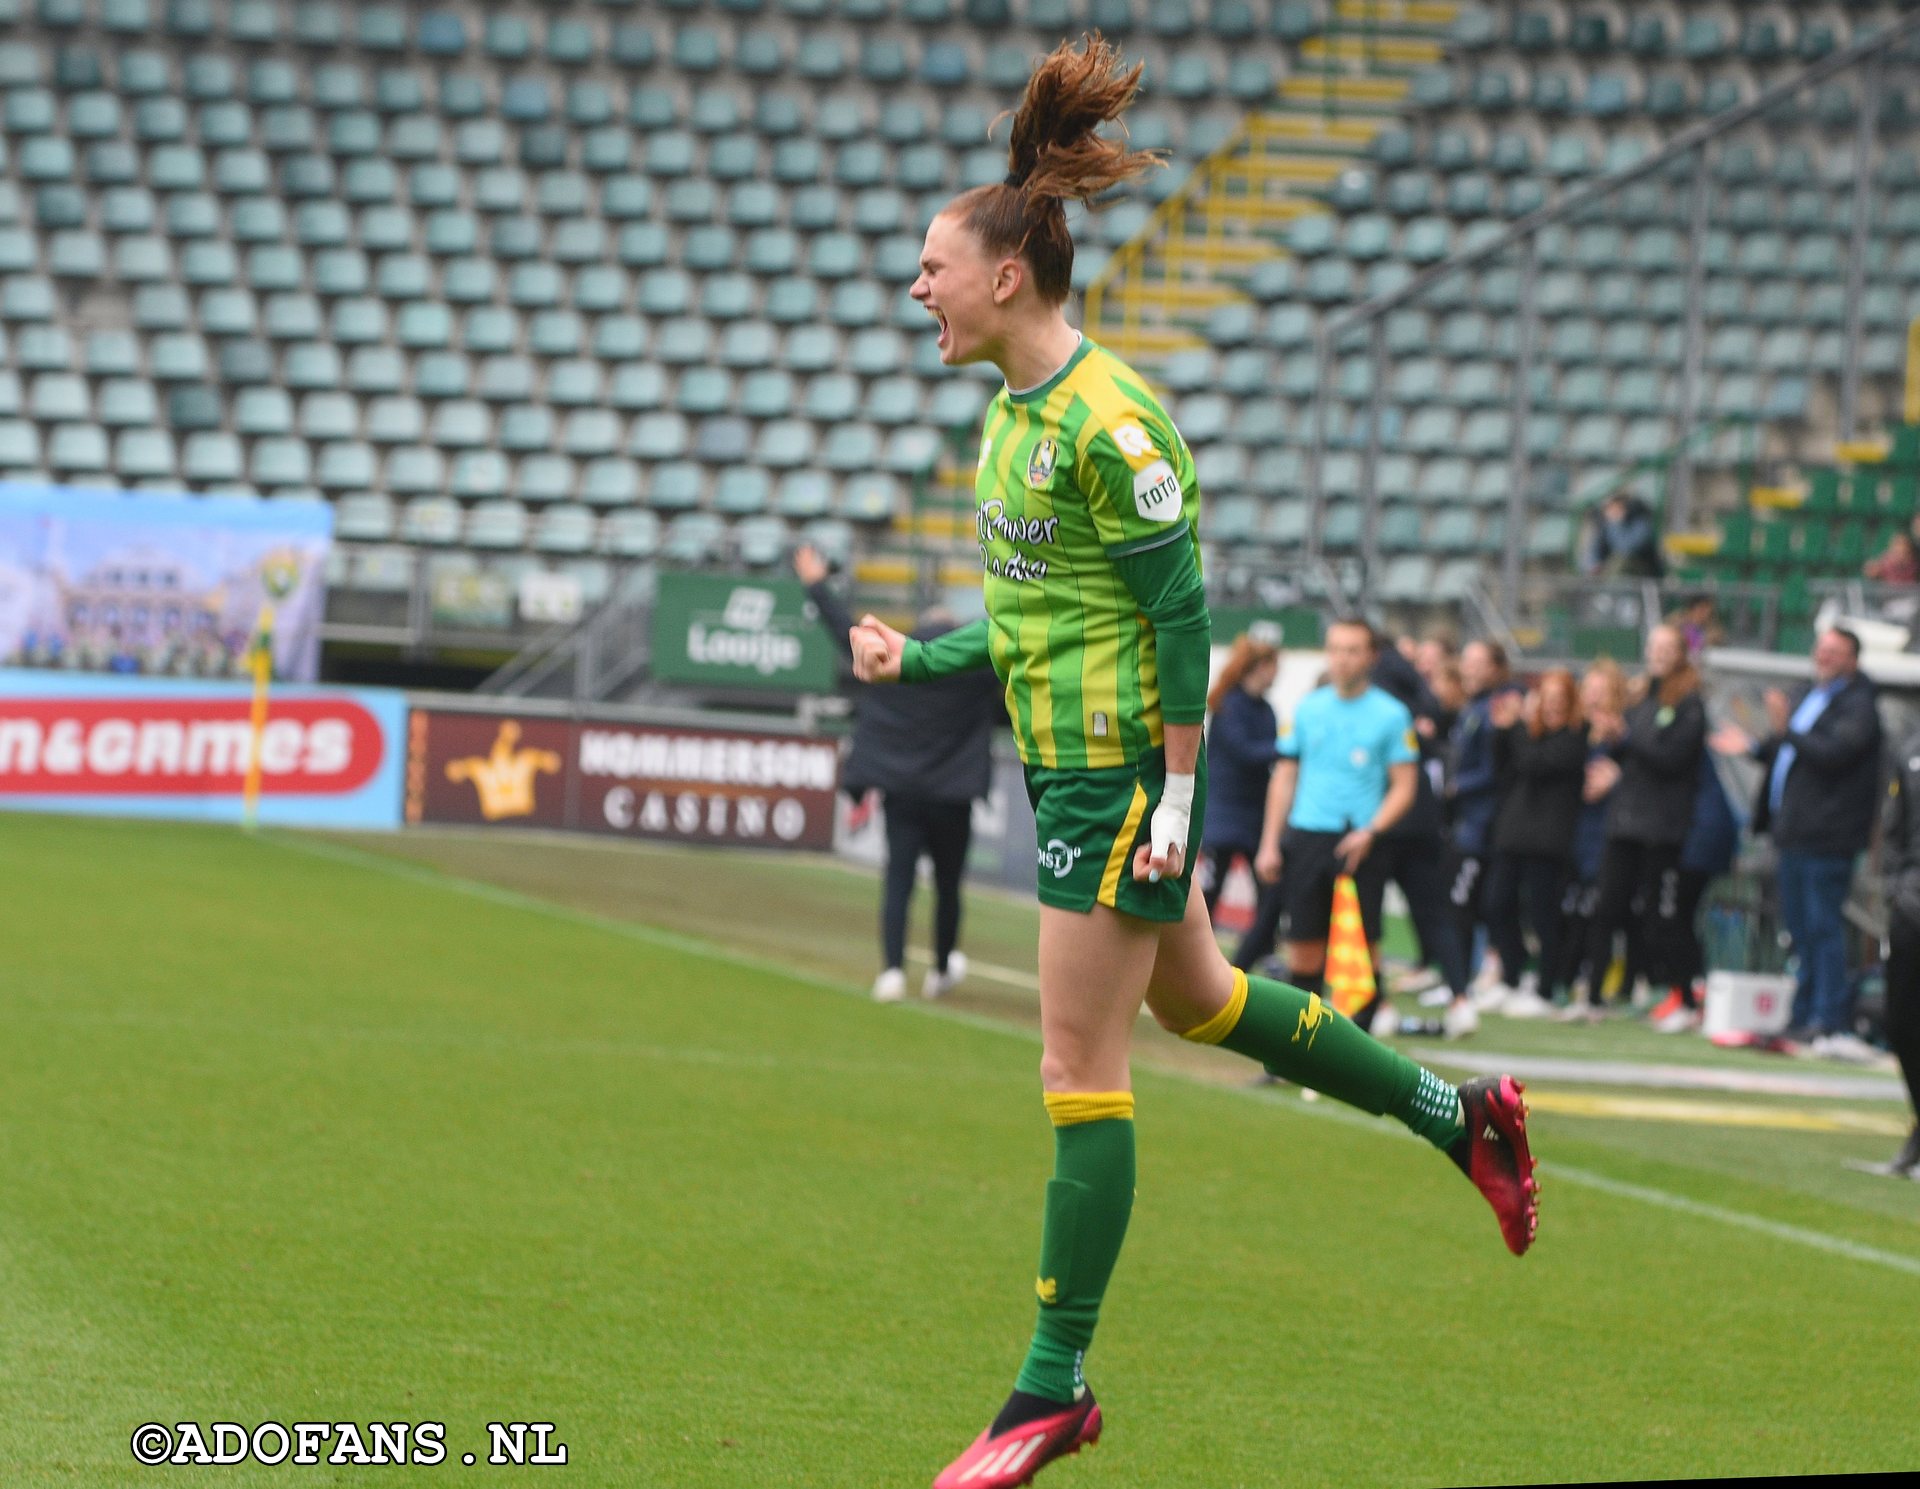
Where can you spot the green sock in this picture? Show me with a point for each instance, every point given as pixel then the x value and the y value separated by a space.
pixel 1089 1200
pixel 1300 1038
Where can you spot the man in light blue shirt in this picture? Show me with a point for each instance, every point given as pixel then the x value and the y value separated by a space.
pixel 1347 773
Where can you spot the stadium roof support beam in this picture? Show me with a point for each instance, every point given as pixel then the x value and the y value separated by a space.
pixel 1857 240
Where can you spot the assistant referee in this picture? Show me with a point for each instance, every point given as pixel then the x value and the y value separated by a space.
pixel 1347 772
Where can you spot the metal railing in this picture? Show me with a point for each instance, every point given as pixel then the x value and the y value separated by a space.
pixel 591 661
pixel 1518 246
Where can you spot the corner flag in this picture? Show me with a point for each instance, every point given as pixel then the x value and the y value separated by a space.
pixel 1349 979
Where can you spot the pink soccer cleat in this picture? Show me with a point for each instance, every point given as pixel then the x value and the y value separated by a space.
pixel 1016 1454
pixel 1493 1153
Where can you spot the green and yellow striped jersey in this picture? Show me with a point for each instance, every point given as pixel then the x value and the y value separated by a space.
pixel 1080 471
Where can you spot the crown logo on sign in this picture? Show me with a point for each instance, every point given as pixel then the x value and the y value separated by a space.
pixel 504 776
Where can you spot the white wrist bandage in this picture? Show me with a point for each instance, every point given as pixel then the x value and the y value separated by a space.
pixel 1172 819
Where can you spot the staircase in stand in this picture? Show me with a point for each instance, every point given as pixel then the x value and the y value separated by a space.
pixel 1194 255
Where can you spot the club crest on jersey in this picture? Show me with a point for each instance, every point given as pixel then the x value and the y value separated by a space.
pixel 1041 462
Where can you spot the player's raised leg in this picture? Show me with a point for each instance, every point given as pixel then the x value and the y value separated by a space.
pixel 1093 975
pixel 1199 995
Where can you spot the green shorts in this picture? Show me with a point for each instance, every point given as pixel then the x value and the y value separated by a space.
pixel 1089 822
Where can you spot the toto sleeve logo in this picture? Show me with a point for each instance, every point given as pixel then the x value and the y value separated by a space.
pixel 183 746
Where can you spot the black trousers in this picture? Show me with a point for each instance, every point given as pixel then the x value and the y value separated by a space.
pixel 1467 896
pixel 1647 875
pixel 1903 1007
pixel 1215 860
pixel 1261 936
pixel 917 827
pixel 1417 862
pixel 1524 891
pixel 1578 901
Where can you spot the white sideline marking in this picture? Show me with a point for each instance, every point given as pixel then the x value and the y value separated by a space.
pixel 1663 1199
pixel 1778 1229
pixel 1011 976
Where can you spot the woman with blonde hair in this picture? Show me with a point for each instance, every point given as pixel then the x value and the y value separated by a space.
pixel 1241 743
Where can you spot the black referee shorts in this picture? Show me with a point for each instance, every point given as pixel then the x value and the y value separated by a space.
pixel 1309 867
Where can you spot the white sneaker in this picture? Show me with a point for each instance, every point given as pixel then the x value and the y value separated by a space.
pixel 1436 997
pixel 1415 980
pixel 1680 1021
pixel 1460 1020
pixel 1492 998
pixel 1386 1022
pixel 890 986
pixel 1525 1003
pixel 938 984
pixel 1488 976
pixel 1849 1047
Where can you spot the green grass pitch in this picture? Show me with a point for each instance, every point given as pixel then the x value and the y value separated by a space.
pixel 302 1130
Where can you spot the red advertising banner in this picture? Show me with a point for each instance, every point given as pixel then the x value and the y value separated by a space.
pixel 638 780
pixel 146 746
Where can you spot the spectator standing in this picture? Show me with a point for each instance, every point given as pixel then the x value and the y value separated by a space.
pixel 928 751
pixel 1603 703
pixel 1438 649
pixel 1414 850
pixel 1241 740
pixel 1713 842
pixel 1541 748
pixel 1622 540
pixel 1476 788
pixel 1450 697
pixel 1654 773
pixel 1900 848
pixel 1698 624
pixel 1818 796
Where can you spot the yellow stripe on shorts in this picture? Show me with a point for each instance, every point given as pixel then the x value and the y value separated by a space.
pixel 1117 858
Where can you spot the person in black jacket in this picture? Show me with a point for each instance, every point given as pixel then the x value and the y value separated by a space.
pixel 1900 862
pixel 1819 790
pixel 928 751
pixel 1655 755
pixel 1414 851
pixel 1241 748
pixel 1541 753
pixel 1474 798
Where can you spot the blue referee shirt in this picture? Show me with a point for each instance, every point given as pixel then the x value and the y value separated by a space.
pixel 1345 746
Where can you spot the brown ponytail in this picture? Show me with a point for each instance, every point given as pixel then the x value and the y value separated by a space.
pixel 1054 155
pixel 1245 655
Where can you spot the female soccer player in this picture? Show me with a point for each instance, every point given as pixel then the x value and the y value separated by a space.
pixel 1097 626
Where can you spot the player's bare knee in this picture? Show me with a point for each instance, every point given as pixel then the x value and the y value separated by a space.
pixel 1058 1072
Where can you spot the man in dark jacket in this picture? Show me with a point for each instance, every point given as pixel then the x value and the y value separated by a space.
pixel 928 751
pixel 1819 790
pixel 1900 860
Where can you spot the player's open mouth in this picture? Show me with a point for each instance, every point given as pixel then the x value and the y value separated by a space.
pixel 945 333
